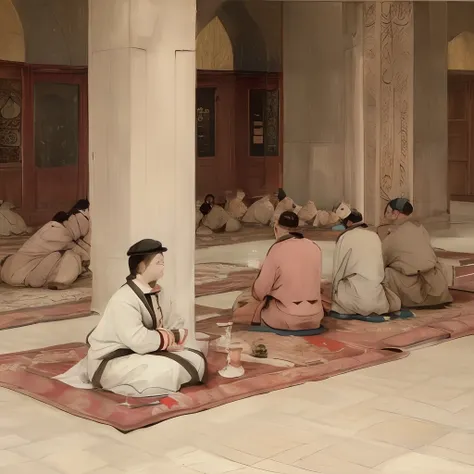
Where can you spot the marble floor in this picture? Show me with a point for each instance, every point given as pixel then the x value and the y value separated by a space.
pixel 415 415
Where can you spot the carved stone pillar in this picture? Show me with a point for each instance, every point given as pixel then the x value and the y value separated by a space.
pixel 388 45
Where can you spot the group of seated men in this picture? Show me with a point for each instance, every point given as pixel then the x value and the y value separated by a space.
pixel 373 280
pixel 134 352
pixel 210 217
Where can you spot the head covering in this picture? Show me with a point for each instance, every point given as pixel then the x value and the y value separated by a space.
pixel 205 208
pixel 60 217
pixel 355 217
pixel 288 219
pixel 402 205
pixel 137 253
pixel 398 204
pixel 146 247
pixel 281 194
pixel 81 205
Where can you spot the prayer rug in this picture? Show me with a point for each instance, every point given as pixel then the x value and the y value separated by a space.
pixel 214 278
pixel 255 233
pixel 428 326
pixel 25 306
pixel 31 373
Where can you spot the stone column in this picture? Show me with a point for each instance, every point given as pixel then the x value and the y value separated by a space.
pixel 431 196
pixel 313 70
pixel 142 142
pixel 388 104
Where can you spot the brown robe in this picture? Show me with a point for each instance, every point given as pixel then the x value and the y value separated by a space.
pixel 287 291
pixel 412 270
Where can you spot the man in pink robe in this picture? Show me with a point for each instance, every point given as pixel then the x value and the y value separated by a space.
pixel 287 292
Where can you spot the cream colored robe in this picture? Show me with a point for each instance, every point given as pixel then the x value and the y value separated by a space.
pixel 308 212
pixel 128 323
pixel 412 270
pixel 54 256
pixel 236 207
pixel 285 204
pixel 260 212
pixel 358 273
pixel 219 220
pixel 11 223
pixel 287 291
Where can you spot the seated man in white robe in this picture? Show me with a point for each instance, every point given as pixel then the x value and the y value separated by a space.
pixel 130 353
pixel 412 269
pixel 358 273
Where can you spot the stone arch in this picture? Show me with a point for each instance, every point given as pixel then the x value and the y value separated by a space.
pixel 248 43
pixel 461 52
pixel 214 49
pixel 12 38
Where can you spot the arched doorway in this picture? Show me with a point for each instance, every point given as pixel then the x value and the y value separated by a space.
pixel 238 109
pixel 43 106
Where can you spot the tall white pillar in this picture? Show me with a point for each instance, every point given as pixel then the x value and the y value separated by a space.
pixel 142 142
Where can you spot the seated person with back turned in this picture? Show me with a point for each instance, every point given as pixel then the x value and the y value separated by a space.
pixel 357 288
pixel 55 256
pixel 412 269
pixel 130 353
pixel 286 295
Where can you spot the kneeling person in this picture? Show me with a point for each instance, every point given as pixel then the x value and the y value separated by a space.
pixel 287 292
pixel 357 289
pixel 412 267
pixel 130 352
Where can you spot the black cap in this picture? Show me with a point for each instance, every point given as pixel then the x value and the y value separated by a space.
pixel 281 194
pixel 146 247
pixel 288 219
pixel 355 217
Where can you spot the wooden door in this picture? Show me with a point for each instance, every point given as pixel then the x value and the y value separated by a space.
pixel 214 134
pixel 460 137
pixel 258 133
pixel 55 168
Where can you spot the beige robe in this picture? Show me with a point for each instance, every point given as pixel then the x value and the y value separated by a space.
pixel 308 212
pixel 236 207
pixel 287 292
pixel 260 212
pixel 358 275
pixel 412 270
pixel 285 204
pixel 54 256
pixel 11 223
pixel 219 220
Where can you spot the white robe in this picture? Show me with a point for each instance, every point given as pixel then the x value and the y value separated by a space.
pixel 358 275
pixel 128 324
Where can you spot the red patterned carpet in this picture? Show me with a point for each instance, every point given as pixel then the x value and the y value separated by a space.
pixel 291 361
pixel 25 306
pixel 31 373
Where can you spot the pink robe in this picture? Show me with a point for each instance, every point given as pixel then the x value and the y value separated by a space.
pixel 287 291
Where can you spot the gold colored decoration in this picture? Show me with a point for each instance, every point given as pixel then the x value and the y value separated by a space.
pixel 461 52
pixel 213 48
